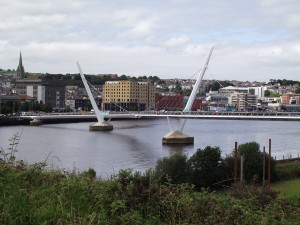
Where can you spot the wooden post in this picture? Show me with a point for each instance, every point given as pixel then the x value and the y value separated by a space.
pixel 264 166
pixel 269 166
pixel 235 163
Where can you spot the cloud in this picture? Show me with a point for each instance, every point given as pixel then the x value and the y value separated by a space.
pixel 176 41
pixel 253 39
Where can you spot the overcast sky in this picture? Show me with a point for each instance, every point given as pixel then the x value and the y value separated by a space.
pixel 253 40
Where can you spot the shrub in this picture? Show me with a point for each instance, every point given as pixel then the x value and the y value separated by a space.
pixel 288 171
pixel 253 161
pixel 207 167
pixel 174 169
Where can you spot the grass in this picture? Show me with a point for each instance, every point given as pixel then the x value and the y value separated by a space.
pixel 288 171
pixel 31 195
pixel 289 189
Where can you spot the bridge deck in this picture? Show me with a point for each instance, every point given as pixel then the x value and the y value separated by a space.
pixel 273 116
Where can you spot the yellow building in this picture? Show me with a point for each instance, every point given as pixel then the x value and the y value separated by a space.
pixel 128 95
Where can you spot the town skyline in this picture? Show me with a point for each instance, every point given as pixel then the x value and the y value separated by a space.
pixel 253 40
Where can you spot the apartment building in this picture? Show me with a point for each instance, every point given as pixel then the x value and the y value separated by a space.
pixel 42 89
pixel 242 101
pixel 290 98
pixel 128 95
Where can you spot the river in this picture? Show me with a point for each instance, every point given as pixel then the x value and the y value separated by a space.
pixel 137 144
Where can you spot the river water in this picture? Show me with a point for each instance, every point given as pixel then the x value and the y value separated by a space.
pixel 137 144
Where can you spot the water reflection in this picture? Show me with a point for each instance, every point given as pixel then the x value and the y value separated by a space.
pixel 177 148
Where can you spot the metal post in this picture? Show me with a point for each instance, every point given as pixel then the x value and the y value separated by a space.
pixel 242 168
pixel 264 166
pixel 269 166
pixel 235 162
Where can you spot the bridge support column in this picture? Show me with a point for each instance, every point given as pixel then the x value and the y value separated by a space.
pixel 101 126
pixel 176 137
pixel 35 122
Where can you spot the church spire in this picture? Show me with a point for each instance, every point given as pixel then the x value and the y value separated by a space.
pixel 20 70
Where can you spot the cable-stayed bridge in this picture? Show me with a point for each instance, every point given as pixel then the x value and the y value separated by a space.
pixel 250 115
pixel 175 135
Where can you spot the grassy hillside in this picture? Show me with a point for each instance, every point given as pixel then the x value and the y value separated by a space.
pixel 31 195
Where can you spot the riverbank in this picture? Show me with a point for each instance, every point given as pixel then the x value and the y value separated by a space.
pixel 12 121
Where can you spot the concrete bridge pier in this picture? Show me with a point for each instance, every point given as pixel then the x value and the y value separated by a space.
pixel 35 122
pixel 176 137
pixel 101 126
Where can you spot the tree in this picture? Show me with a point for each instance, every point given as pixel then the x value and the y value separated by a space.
pixel 178 88
pixel 47 107
pixel 123 77
pixel 297 90
pixel 187 92
pixel 215 86
pixel 267 93
pixel 87 105
pixel 253 161
pixel 174 169
pixel 207 167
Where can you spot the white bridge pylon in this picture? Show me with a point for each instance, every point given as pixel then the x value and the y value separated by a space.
pixel 174 135
pixel 102 125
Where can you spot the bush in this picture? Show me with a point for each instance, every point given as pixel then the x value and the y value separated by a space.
pixel 288 171
pixel 174 169
pixel 207 167
pixel 253 163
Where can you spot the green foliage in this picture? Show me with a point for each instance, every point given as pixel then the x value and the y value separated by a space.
pixel 271 94
pixel 32 195
pixel 275 95
pixel 288 189
pixel 174 169
pixel 89 174
pixel 253 162
pixel 283 82
pixel 267 93
pixel 288 171
pixel 207 167
pixel 8 156
pixel 204 169
pixel 215 86
pixel 252 159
